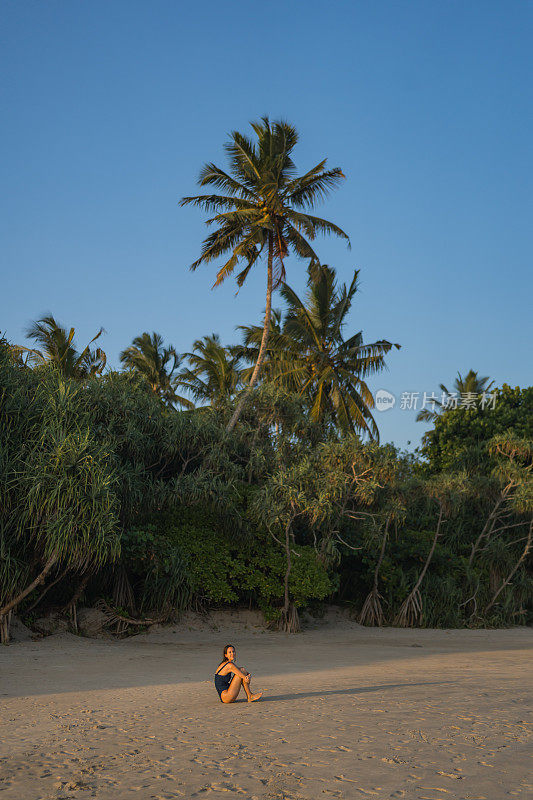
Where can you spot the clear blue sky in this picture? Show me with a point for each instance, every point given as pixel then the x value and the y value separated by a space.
pixel 110 107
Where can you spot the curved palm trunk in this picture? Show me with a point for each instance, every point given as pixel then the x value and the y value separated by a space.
pixel 46 590
pixel 287 571
pixel 410 613
pixel 430 554
pixel 5 611
pixel 289 621
pixel 264 341
pixel 508 579
pixel 491 521
pixel 71 606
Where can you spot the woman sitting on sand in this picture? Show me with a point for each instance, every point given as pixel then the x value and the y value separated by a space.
pixel 229 679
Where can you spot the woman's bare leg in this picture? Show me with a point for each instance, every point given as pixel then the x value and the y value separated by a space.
pixel 230 694
pixel 252 697
pixel 248 689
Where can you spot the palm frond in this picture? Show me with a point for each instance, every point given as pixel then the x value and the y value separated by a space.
pixel 300 245
pixel 211 175
pixel 243 159
pixel 218 244
pixel 313 224
pixel 308 193
pixel 216 202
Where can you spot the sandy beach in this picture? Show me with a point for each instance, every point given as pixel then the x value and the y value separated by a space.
pixel 348 712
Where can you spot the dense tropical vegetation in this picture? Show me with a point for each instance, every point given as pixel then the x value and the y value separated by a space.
pixel 112 495
pixel 253 473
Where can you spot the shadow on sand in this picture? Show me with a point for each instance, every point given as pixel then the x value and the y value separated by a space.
pixel 357 690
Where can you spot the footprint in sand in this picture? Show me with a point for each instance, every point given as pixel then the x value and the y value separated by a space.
pixel 351 780
pixel 221 787
pixel 450 775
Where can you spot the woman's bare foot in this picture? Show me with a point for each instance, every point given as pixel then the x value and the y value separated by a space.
pixel 253 697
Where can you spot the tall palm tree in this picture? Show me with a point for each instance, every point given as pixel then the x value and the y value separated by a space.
pixel 157 364
pixel 213 376
pixel 265 210
pixel 471 383
pixel 309 354
pixel 58 346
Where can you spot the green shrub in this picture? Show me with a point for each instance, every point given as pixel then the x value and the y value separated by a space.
pixel 159 568
pixel 225 568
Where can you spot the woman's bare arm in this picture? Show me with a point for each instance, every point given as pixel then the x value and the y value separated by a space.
pixel 229 667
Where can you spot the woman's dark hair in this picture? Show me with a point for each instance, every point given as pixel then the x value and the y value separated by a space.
pixel 227 647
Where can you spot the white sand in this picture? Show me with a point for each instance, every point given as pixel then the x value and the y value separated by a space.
pixel 348 712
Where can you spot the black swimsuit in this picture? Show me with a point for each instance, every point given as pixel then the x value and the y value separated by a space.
pixel 222 682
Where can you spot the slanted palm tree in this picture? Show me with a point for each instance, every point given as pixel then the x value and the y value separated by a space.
pixel 310 355
pixel 265 210
pixel 57 346
pixel 157 364
pixel 276 351
pixel 471 383
pixel 213 376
